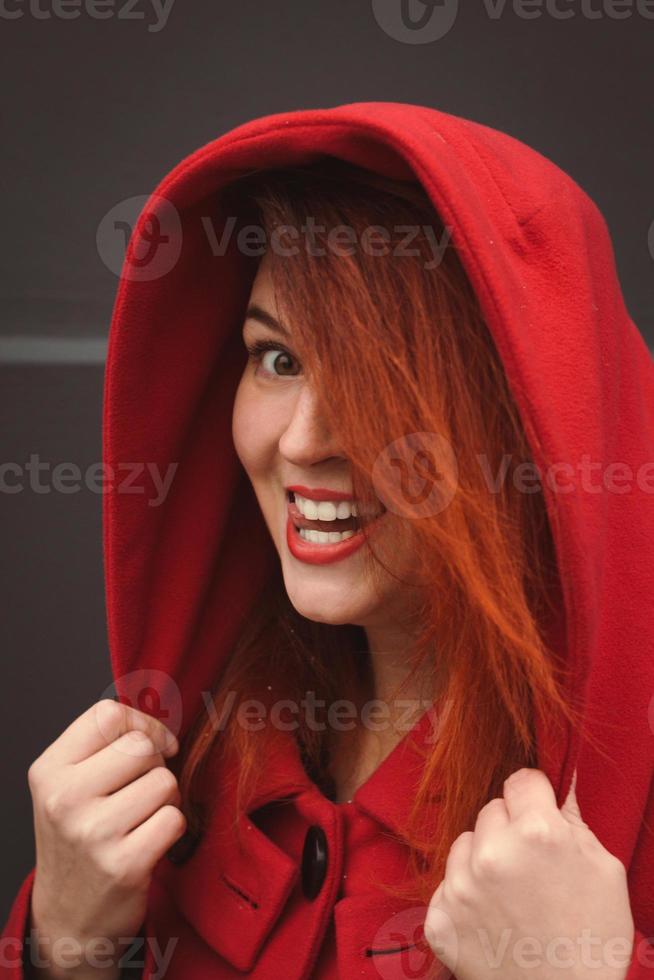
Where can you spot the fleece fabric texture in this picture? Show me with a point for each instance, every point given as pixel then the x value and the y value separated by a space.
pixel 182 575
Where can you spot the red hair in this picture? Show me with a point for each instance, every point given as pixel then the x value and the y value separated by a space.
pixel 406 348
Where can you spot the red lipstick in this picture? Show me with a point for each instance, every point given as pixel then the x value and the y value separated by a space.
pixel 319 493
pixel 320 554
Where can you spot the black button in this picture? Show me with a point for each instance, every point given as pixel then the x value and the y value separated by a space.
pixel 314 861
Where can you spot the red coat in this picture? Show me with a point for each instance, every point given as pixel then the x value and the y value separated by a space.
pixel 298 897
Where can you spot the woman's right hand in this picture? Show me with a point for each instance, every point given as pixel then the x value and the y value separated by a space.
pixel 106 809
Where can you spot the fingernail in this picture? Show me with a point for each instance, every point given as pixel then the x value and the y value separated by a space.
pixel 172 744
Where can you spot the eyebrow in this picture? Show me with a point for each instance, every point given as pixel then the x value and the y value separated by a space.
pixel 255 312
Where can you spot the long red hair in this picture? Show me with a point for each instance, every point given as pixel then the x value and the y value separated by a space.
pixel 405 347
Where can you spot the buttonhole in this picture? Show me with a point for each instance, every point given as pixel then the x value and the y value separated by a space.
pixel 239 891
pixel 392 949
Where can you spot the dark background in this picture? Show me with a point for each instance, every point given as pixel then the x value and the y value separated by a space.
pixel 97 111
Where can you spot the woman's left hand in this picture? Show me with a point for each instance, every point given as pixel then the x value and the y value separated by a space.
pixel 531 892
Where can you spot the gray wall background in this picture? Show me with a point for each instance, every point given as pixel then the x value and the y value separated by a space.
pixel 97 111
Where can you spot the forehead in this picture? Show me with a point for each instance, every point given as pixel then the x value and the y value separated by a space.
pixel 262 285
pixel 261 306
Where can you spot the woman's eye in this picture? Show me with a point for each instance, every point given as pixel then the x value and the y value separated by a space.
pixel 276 361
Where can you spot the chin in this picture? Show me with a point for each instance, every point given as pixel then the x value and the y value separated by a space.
pixel 335 609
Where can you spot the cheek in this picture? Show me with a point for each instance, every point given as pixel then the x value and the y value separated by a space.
pixel 397 548
pixel 252 432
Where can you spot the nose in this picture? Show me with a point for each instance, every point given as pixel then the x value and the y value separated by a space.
pixel 306 439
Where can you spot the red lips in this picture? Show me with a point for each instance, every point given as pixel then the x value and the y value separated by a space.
pixel 320 493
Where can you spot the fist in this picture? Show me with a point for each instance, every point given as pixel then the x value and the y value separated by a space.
pixel 106 808
pixel 531 892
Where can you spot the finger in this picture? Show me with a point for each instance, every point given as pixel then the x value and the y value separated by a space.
pixel 436 897
pixel 527 790
pixel 570 809
pixel 146 844
pixel 116 765
pixel 103 723
pixel 441 934
pixel 458 859
pixel 491 820
pixel 130 806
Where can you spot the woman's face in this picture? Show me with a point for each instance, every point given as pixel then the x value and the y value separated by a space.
pixel 282 442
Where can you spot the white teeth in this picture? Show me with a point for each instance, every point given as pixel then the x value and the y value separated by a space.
pixel 324 537
pixel 325 510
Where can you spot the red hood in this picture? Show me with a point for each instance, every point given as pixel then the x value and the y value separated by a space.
pixel 182 574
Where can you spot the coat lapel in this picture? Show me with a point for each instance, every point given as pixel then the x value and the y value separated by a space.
pixel 233 888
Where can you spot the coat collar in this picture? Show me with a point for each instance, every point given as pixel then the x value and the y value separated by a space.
pixel 385 796
pixel 255 882
pixel 252 881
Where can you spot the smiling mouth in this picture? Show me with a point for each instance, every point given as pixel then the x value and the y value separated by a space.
pixel 340 526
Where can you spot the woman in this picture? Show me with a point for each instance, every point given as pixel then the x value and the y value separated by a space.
pixel 384 353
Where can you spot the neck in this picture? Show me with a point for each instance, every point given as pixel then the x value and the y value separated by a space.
pixel 394 682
